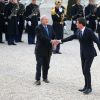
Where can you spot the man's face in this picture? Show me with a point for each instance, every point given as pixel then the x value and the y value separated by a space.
pixel 78 25
pixel 58 4
pixel 91 2
pixel 78 1
pixel 44 21
pixel 33 1
pixel 14 1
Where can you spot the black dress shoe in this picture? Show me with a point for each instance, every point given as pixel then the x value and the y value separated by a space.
pixel 1 42
pixel 55 52
pixel 21 41
pixel 58 52
pixel 14 44
pixel 38 82
pixel 46 80
pixel 82 90
pixel 87 91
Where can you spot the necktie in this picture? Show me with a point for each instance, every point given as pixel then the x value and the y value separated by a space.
pixel 46 28
pixel 80 34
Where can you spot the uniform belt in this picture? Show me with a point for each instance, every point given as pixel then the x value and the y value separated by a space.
pixel 14 15
pixel 1 13
pixel 21 14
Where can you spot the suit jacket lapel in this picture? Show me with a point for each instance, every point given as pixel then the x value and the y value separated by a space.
pixel 45 32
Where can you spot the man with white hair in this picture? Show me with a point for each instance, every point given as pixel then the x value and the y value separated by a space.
pixel 43 49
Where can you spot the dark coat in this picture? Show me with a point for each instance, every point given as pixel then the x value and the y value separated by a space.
pixel 13 21
pixel 58 22
pixel 34 19
pixel 2 5
pixel 98 19
pixel 76 12
pixel 90 16
pixel 87 49
pixel 43 45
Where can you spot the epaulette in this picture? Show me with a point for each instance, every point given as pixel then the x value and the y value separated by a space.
pixel 53 11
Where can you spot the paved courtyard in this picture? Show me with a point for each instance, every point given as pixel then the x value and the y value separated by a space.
pixel 17 74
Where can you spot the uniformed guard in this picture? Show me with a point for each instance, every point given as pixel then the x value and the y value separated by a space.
pixel 21 20
pixel 11 10
pixel 6 22
pixel 58 16
pixel 90 15
pixel 76 12
pixel 2 5
pixel 98 20
pixel 32 15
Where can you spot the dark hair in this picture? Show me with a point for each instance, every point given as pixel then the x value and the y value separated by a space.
pixel 82 21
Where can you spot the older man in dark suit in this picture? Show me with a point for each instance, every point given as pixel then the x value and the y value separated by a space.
pixel 86 38
pixel 43 49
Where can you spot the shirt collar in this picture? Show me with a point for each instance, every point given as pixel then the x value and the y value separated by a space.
pixel 83 29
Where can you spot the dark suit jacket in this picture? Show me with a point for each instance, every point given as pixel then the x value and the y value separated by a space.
pixel 43 45
pixel 87 49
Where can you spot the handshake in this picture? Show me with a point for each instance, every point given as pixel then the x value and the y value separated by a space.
pixel 55 42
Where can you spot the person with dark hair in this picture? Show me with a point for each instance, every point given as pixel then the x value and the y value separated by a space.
pixel 90 15
pixel 58 14
pixel 32 15
pixel 21 20
pixel 86 38
pixel 76 12
pixel 98 20
pixel 11 10
pixel 2 5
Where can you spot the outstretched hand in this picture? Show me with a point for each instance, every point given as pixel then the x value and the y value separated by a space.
pixel 55 42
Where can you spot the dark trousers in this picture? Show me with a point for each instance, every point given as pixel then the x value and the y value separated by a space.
pixel 1 36
pixel 99 36
pixel 57 48
pixel 31 38
pixel 86 65
pixel 11 38
pixel 31 35
pixel 42 63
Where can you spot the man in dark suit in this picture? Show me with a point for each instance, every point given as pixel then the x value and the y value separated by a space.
pixel 86 38
pixel 43 49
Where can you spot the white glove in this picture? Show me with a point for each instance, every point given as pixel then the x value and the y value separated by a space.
pixel 99 23
pixel 6 23
pixel 18 23
pixel 74 22
pixel 29 23
pixel 87 22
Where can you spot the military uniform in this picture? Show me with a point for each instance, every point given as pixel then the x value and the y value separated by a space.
pixel 76 12
pixel 98 21
pixel 58 23
pixel 32 15
pixel 2 5
pixel 11 10
pixel 90 16
pixel 21 21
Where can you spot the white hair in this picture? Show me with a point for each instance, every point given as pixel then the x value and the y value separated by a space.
pixel 43 16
